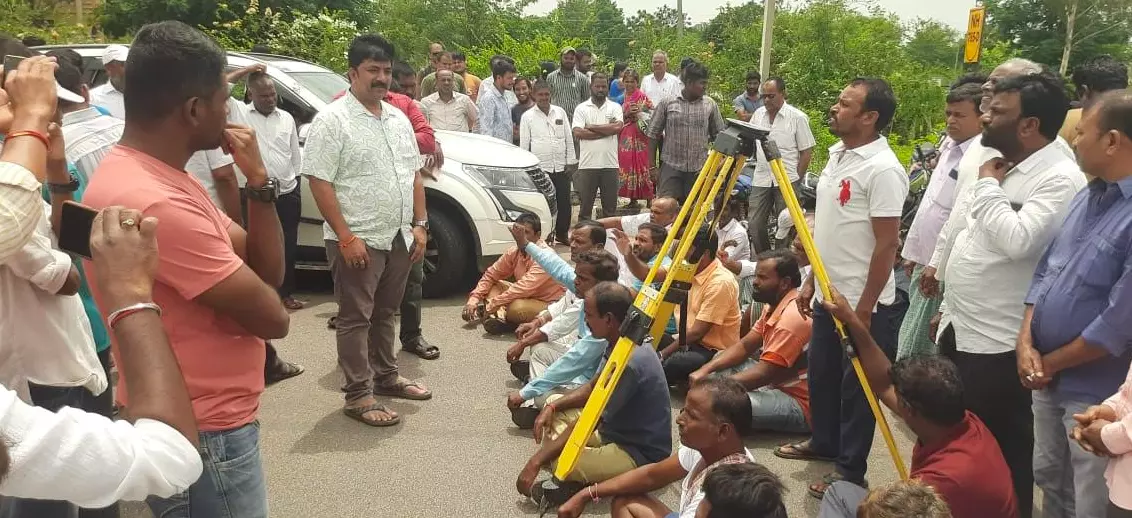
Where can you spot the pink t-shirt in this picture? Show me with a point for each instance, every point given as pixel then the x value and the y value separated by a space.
pixel 222 363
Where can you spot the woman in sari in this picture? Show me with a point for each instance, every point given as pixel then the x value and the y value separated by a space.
pixel 633 145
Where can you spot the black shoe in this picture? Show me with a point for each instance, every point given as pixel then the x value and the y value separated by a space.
pixel 521 370
pixel 422 348
pixel 280 371
pixel 496 326
pixel 524 417
pixel 551 493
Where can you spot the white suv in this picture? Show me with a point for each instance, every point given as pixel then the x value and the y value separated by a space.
pixel 484 185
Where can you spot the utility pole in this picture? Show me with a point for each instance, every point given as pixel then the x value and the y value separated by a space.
pixel 680 23
pixel 768 36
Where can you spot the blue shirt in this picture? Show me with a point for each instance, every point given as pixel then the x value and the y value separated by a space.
pixel 615 92
pixel 1083 288
pixel 581 361
pixel 495 115
pixel 748 105
pixel 638 416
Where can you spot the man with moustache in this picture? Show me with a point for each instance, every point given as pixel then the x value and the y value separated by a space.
pixel 363 166
pixel 776 381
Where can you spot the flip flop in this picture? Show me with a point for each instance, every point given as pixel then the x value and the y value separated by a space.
pixel 800 451
pixel 293 304
pixel 818 489
pixel 398 390
pixel 358 414
pixel 426 352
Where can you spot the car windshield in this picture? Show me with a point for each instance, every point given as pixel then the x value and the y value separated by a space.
pixel 325 85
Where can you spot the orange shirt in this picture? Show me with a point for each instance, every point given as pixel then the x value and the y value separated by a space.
pixel 531 281
pixel 222 363
pixel 472 84
pixel 786 337
pixel 714 298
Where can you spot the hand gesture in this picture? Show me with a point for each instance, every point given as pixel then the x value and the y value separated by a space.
pixel 1095 412
pixel 520 236
pixel 1089 437
pixel 242 144
pixel 31 88
pixel 123 246
pixel 995 168
pixel 622 241
pixel 929 284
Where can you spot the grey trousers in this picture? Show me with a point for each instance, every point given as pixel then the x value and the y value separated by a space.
pixel 588 181
pixel 841 500
pixel 367 301
pixel 1071 479
pixel 674 183
pixel 765 202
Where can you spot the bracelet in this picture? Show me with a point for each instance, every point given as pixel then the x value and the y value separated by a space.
pixel 348 242
pixel 31 133
pixel 130 310
pixel 593 494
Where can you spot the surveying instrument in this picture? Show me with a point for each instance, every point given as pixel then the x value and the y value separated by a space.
pixel 653 307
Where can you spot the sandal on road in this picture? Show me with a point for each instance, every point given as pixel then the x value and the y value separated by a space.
pixel 800 451
pixel 401 389
pixel 359 414
pixel 818 489
pixel 423 349
pixel 293 304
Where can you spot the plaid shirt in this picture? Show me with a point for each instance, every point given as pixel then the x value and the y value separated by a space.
pixel 688 127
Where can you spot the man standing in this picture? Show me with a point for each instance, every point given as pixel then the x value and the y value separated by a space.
pixel 857 228
pixel 1073 350
pixel 790 129
pixel 494 109
pixel 428 83
pixel 585 62
pixel 963 127
pixel 489 82
pixel 87 134
pixel 568 86
pixel 687 123
pixel 111 95
pixel 448 109
pixel 1014 210
pixel 1094 77
pixel 215 282
pixel 405 82
pixel 746 103
pixel 279 146
pixel 546 132
pixel 596 125
pixel 363 168
pixel 435 50
pixel 526 101
pixel 661 85
pixel 460 67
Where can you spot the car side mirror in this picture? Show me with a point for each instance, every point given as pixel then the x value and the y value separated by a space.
pixel 303 130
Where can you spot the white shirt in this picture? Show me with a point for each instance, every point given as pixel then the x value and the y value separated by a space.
pixel 735 231
pixel 21 207
pixel 278 139
pixel 564 314
pixel 452 115
pixel 89 460
pixel 88 136
pixel 790 130
pixel 856 186
pixel 1004 233
pixel 662 90
pixel 45 338
pixel 201 165
pixel 598 153
pixel 108 97
pixel 630 225
pixel 689 459
pixel 549 137
pixel 936 204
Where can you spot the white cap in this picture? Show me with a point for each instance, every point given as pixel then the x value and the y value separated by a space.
pixel 115 53
pixel 66 95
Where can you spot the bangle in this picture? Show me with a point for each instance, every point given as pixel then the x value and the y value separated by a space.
pixel 118 315
pixel 593 494
pixel 31 133
pixel 348 242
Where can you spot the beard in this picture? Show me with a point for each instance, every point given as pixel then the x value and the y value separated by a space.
pixel 1004 140
pixel 766 297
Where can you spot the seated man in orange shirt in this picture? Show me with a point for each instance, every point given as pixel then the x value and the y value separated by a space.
pixel 502 305
pixel 713 313
pixel 776 382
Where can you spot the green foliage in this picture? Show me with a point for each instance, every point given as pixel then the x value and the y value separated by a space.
pixel 320 38
pixel 122 17
pixel 527 54
pixel 22 19
pixel 1037 28
pixel 933 44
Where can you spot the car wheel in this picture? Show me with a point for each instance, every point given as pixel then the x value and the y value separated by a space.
pixel 446 256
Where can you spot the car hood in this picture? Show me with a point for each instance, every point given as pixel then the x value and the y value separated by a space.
pixel 474 149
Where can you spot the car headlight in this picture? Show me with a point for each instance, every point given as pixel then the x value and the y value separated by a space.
pixel 505 179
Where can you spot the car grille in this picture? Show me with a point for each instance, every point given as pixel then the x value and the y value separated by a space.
pixel 545 186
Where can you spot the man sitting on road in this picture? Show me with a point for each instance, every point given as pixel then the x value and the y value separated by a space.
pixel 713 314
pixel 501 305
pixel 779 396
pixel 662 211
pixel 642 253
pixel 955 453
pixel 732 233
pixel 636 426
pixel 715 418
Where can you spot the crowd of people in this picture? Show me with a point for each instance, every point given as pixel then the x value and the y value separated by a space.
pixel 1009 362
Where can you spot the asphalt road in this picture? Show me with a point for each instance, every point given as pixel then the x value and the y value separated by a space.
pixel 456 455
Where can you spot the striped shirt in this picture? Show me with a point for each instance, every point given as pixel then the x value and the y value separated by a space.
pixel 89 135
pixel 21 208
pixel 687 127
pixel 568 90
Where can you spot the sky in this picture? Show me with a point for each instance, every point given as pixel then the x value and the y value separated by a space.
pixel 950 12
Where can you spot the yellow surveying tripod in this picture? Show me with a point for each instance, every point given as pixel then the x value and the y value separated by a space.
pixel 653 308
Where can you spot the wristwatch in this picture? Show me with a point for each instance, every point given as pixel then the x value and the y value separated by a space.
pixel 266 194
pixel 421 223
pixel 64 188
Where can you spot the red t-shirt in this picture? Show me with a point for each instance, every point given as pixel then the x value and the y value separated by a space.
pixel 968 471
pixel 426 139
pixel 222 363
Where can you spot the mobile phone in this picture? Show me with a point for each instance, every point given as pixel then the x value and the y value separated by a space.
pixel 75 227
pixel 11 62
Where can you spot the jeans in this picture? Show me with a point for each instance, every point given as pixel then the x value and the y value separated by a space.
pixel 411 305
pixel 841 500
pixel 289 207
pixel 685 361
pixel 1071 479
pixel 843 424
pixel 232 484
pixel 561 182
pixel 588 182
pixel 772 409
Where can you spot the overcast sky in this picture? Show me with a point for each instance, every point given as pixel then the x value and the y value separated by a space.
pixel 950 12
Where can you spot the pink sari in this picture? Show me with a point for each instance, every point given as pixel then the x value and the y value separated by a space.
pixel 633 153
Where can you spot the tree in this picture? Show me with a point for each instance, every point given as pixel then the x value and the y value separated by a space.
pixel 122 17
pixel 730 18
pixel 934 44
pixel 1063 32
pixel 599 23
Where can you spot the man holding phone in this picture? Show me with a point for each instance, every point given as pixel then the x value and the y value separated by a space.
pixel 215 281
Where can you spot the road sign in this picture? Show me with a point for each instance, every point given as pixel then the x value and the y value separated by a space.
pixel 974 46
